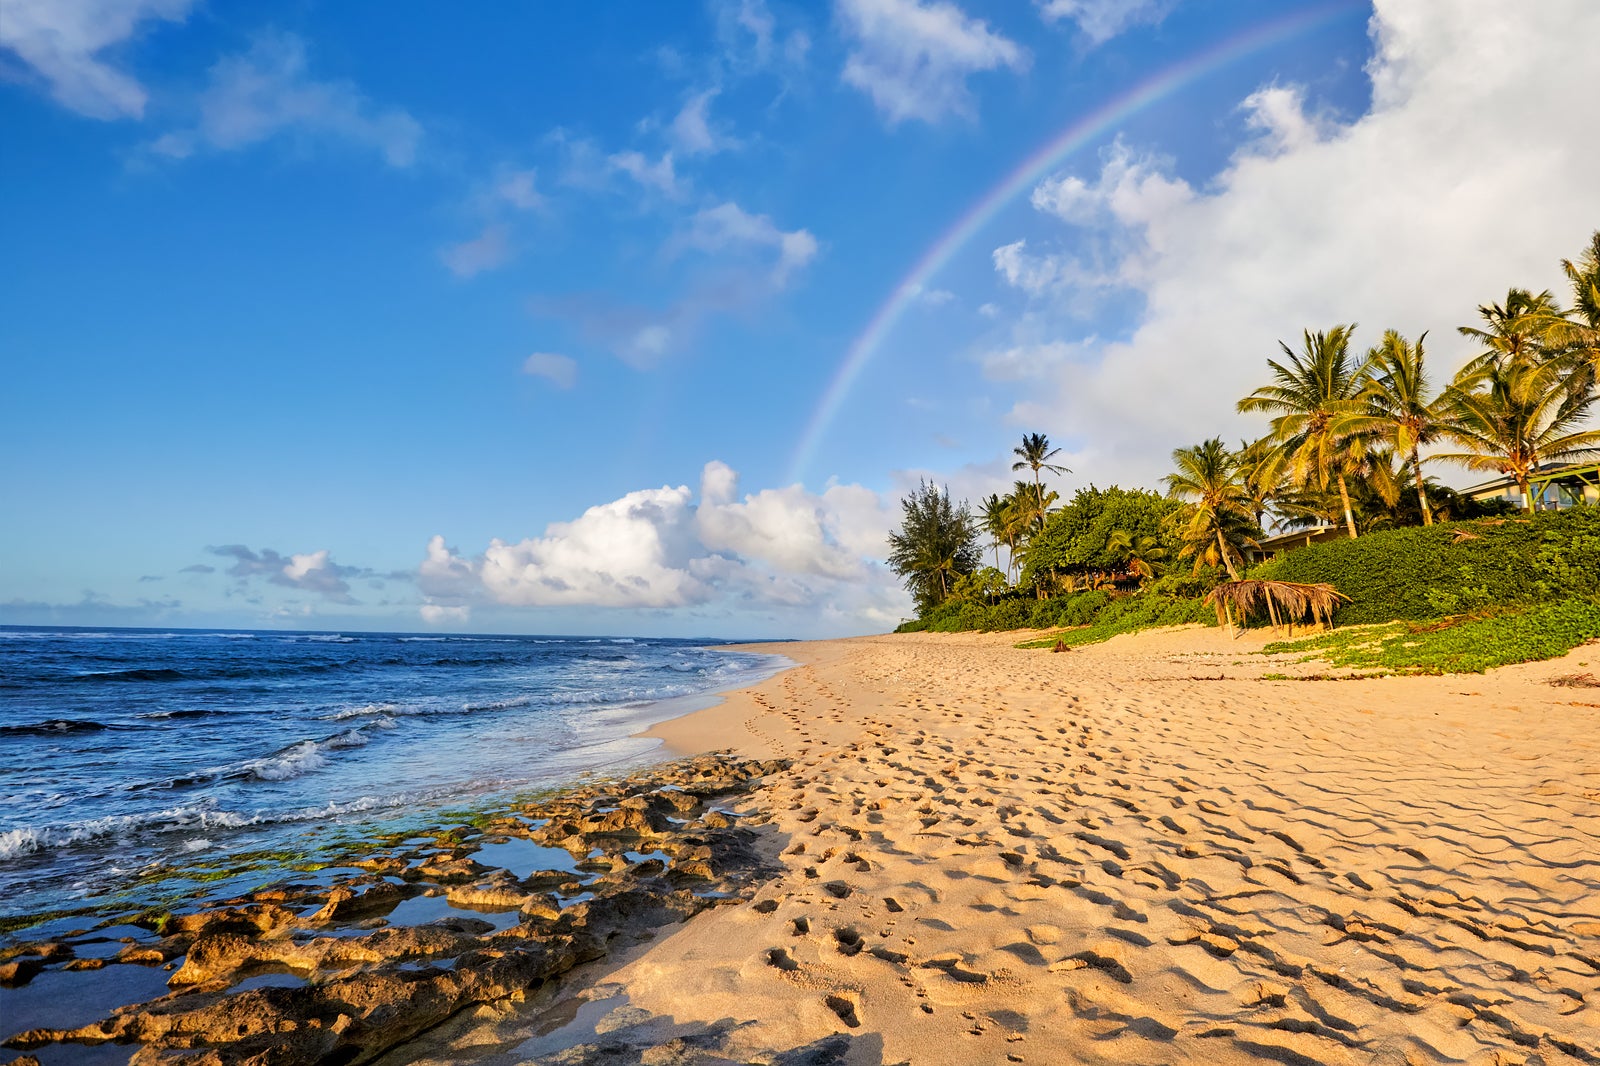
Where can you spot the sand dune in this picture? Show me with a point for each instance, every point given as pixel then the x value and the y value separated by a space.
pixel 993 855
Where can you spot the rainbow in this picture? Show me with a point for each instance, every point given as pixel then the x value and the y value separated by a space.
pixel 1026 174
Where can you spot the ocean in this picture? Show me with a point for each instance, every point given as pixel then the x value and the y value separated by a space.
pixel 141 766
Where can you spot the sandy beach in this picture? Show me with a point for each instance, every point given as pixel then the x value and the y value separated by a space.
pixel 1135 852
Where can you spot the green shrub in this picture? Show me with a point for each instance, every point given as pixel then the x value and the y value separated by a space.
pixel 1429 572
pixel 1472 646
pixel 1128 614
pixel 1007 614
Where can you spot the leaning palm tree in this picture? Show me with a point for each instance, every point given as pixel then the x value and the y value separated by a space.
pixel 1402 413
pixel 1036 453
pixel 1514 417
pixel 1214 525
pixel 1316 397
pixel 996 523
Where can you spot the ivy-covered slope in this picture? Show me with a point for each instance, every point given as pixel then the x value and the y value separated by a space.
pixel 1429 572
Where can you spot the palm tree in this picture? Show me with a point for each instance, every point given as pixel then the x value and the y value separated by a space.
pixel 1582 332
pixel 1036 453
pixel 937 541
pixel 1517 329
pixel 1143 554
pixel 1216 521
pixel 1402 413
pixel 1316 397
pixel 1513 417
pixel 1262 464
pixel 996 523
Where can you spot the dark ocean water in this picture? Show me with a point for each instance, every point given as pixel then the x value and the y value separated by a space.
pixel 127 755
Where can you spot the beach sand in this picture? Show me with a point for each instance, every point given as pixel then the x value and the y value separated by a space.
pixel 1135 852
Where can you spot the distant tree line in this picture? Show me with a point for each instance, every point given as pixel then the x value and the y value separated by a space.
pixel 1349 438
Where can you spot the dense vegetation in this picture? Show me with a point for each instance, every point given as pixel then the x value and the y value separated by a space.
pixel 1427 573
pixel 1471 646
pixel 1349 438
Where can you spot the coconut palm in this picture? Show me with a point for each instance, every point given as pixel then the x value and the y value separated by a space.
pixel 1582 331
pixel 1517 330
pixel 1214 526
pixel 1513 417
pixel 1316 397
pixel 996 522
pixel 1036 453
pixel 1143 554
pixel 1402 411
pixel 1262 464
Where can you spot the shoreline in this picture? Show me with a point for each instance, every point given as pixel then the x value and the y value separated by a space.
pixel 1143 850
pixel 1150 849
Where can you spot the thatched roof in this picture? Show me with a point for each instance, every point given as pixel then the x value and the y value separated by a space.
pixel 1289 601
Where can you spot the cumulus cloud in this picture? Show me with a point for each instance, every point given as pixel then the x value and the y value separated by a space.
pixel 1101 20
pixel 438 615
pixel 913 58
pixel 1111 214
pixel 730 228
pixel 658 548
pixel 560 370
pixel 268 92
pixel 314 572
pixel 1395 218
pixel 62 41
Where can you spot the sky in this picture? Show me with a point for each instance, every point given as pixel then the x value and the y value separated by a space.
pixel 641 318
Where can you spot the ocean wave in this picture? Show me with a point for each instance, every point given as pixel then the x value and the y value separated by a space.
pixel 498 705
pixel 296 759
pixel 54 727
pixel 28 840
pixel 363 711
pixel 194 712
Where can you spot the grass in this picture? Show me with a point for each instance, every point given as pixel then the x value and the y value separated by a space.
pixel 1455 646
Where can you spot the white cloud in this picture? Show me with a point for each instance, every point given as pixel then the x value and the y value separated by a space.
pixel 1101 20
pixel 267 92
pixel 435 614
pixel 62 41
pixel 748 34
pixel 730 228
pixel 516 187
pixel 660 175
pixel 486 251
pixel 913 57
pixel 560 370
pixel 691 129
pixel 307 571
pixel 1397 218
pixel 1131 190
pixel 656 548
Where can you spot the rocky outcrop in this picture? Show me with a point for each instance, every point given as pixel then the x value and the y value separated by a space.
pixel 370 985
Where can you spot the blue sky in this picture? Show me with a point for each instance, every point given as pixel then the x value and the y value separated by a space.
pixel 337 316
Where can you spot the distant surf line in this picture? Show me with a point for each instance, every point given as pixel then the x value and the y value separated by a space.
pixel 1032 169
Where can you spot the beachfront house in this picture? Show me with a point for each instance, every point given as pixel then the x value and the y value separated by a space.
pixel 1271 547
pixel 1555 487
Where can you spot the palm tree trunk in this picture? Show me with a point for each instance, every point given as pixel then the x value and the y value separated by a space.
pixel 1222 546
pixel 1349 515
pixel 1527 493
pixel 1422 494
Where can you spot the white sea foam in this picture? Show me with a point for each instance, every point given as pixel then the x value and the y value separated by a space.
pixel 361 711
pixel 297 759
